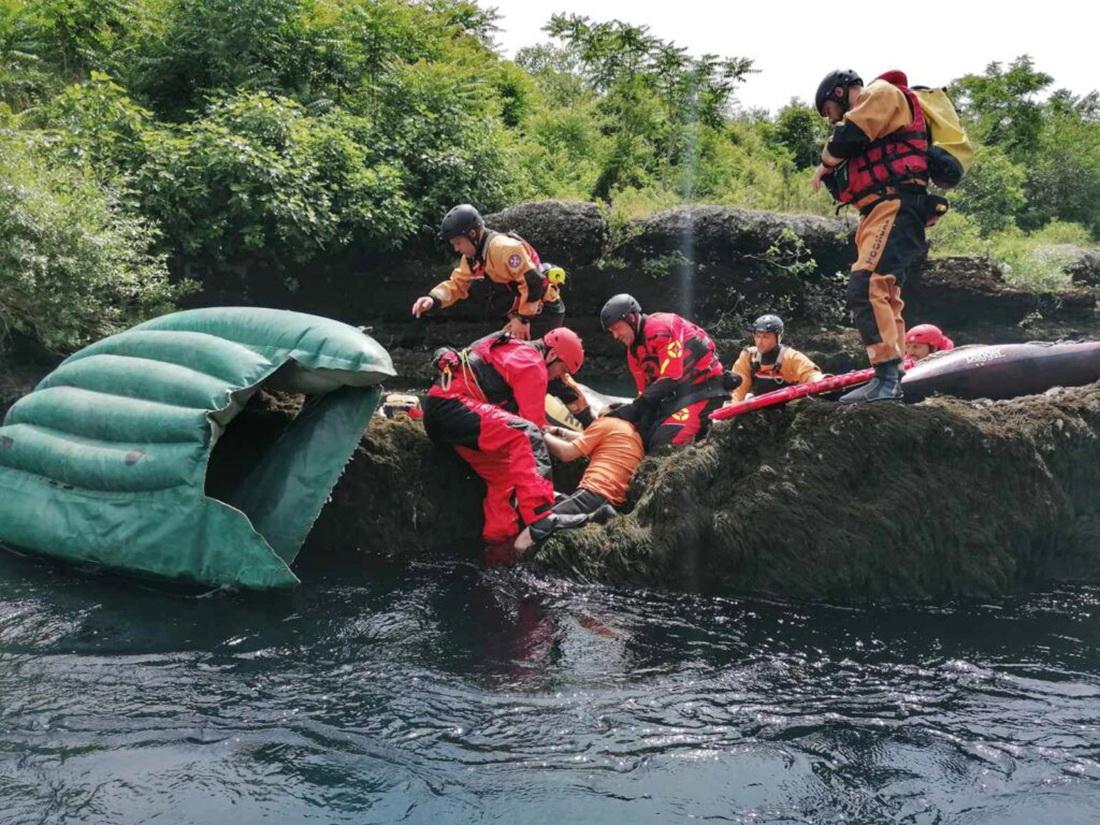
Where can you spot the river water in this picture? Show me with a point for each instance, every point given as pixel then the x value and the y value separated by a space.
pixel 444 693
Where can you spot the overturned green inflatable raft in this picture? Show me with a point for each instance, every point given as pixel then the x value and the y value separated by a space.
pixel 105 462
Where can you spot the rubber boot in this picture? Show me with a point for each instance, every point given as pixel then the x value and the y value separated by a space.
pixel 885 386
pixel 604 514
pixel 535 534
pixel 542 529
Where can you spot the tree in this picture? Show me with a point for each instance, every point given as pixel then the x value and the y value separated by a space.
pixel 1001 108
pixel 556 71
pixel 992 191
pixel 653 96
pixel 1063 177
pixel 800 130
pixel 210 48
pixel 80 35
pixel 98 126
pixel 24 74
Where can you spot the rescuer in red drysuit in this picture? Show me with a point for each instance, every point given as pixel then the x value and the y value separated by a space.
pixel 489 403
pixel 679 377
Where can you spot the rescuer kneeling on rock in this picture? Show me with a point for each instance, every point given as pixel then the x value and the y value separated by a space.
pixel 679 378
pixel 489 403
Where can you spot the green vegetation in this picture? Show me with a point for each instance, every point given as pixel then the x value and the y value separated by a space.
pixel 222 136
pixel 75 262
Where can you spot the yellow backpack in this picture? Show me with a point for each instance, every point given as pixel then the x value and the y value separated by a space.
pixel 947 135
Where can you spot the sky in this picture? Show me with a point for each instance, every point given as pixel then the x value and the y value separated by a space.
pixel 793 44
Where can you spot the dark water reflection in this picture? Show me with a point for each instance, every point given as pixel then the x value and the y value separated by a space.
pixel 446 693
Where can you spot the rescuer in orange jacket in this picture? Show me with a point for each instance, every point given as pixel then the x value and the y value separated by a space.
pixel 506 259
pixel 877 160
pixel 770 364
pixel 489 403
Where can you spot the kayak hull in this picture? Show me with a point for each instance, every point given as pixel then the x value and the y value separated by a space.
pixel 1003 371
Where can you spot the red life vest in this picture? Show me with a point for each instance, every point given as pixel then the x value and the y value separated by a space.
pixel 893 159
pixel 500 370
pixel 651 347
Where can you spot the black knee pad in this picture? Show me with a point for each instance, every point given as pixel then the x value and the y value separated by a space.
pixel 859 288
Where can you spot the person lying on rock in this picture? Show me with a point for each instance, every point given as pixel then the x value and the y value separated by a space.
pixel 489 403
pixel 922 340
pixel 503 259
pixel 614 450
pixel 679 377
pixel 770 364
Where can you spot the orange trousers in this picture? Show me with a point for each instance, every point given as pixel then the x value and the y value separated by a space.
pixel 889 239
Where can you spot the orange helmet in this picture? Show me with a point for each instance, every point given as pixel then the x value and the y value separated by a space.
pixel 566 346
pixel 931 335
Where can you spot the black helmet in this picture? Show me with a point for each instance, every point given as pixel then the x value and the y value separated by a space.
pixel 459 221
pixel 617 308
pixel 826 90
pixel 768 323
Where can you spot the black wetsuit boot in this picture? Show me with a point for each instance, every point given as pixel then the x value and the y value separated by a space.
pixel 885 386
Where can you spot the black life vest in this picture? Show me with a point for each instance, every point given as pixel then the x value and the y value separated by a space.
pixel 766 376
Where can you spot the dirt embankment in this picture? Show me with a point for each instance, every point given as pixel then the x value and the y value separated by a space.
pixel 719 265
pixel 943 498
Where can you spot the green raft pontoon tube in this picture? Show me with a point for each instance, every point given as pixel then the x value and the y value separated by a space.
pixel 105 462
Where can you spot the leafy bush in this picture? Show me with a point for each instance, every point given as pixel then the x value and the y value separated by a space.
pixel 629 204
pixel 74 264
pixel 256 176
pixel 992 191
pixel 429 120
pixel 956 234
pixel 1031 265
pixel 1036 261
pixel 1039 261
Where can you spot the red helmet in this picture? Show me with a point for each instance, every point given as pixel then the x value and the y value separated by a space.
pixel 931 335
pixel 566 346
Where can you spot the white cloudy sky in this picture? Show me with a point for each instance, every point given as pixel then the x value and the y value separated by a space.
pixel 794 43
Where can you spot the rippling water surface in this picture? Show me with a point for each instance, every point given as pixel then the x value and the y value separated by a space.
pixel 445 693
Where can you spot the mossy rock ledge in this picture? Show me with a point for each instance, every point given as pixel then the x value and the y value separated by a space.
pixel 946 498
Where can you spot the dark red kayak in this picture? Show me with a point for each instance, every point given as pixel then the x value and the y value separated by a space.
pixel 1003 370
